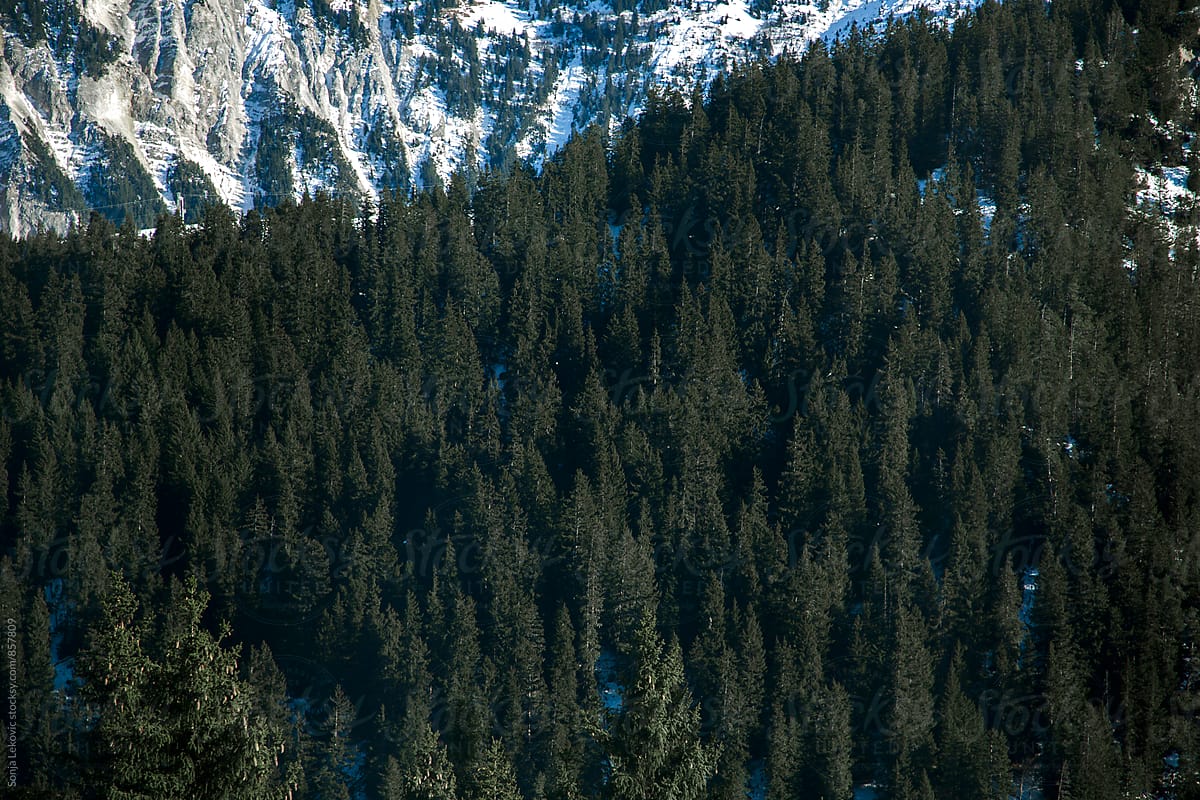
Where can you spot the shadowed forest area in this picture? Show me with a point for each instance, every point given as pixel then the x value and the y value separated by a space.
pixel 833 434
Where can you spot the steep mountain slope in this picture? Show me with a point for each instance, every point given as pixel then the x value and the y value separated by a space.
pixel 131 106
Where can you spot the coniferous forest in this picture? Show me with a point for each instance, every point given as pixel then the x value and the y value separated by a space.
pixel 835 433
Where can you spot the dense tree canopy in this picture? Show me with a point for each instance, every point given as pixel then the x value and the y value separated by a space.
pixel 837 428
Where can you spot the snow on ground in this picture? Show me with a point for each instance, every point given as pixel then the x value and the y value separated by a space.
pixel 697 41
pixel 614 233
pixel 1029 586
pixel 611 691
pixel 286 59
pixel 1164 188
pixel 1027 790
pixel 106 14
pixel 861 17
pixel 1162 193
pixel 558 118
pixel 228 183
pixel 987 210
pixel 59 607
pixel 68 156
pixel 937 176
pixel 498 371
pixel 29 121
pixel 566 95
pixel 357 159
pixel 496 17
pixel 866 791
pixel 159 153
pixel 709 39
pixel 800 23
pixel 985 204
pixel 266 36
pixel 449 137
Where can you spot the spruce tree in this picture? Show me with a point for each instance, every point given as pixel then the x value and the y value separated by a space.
pixel 178 724
pixel 653 746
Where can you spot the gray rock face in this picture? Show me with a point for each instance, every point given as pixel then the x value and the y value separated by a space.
pixel 128 106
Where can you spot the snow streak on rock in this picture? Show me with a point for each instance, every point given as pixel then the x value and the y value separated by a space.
pixel 253 101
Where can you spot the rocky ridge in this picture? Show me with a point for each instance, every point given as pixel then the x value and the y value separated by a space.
pixel 131 107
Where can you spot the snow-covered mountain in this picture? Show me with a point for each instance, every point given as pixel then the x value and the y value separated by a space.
pixel 129 106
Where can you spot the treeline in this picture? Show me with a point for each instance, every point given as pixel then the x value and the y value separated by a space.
pixel 838 429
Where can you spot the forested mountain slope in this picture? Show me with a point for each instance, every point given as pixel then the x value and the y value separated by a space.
pixel 838 435
pixel 132 106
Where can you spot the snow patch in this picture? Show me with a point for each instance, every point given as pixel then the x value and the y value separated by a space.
pixel 266 37
pixel 106 14
pixel 566 94
pixel 1029 587
pixel 937 176
pixel 227 182
pixel 555 125
pixel 987 210
pixel 498 374
pixel 1162 193
pixel 702 45
pixel 495 17
pixel 59 608
pixel 379 93
pixel 612 693
pixel 1164 188
pixel 614 233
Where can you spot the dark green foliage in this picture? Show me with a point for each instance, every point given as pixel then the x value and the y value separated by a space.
pixel 119 187
pixel 345 20
pixel 290 132
pixel 272 162
pixel 713 457
pixel 85 46
pixel 172 717
pixel 188 182
pixel 653 746
pixel 51 186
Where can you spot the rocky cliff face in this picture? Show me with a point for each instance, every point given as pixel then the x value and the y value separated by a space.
pixel 132 106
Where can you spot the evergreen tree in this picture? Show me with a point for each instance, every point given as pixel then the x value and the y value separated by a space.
pixel 420 769
pixel 653 746
pixel 493 777
pixel 181 723
pixel 971 761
